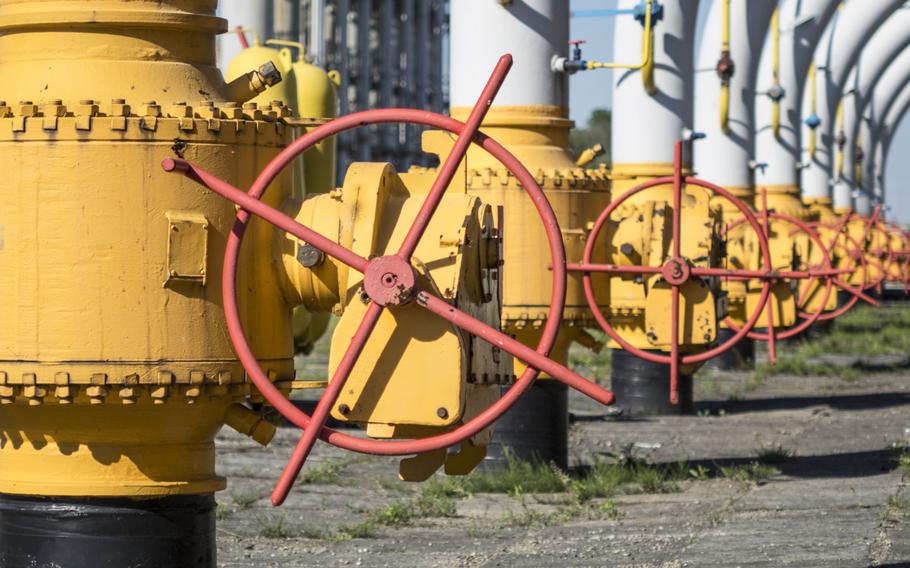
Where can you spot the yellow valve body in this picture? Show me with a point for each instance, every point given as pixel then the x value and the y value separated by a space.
pixel 115 366
pixel 539 137
pixel 640 233
pixel 417 374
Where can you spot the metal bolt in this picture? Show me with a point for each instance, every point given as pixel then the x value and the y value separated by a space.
pixel 627 249
pixel 344 409
pixel 442 413
pixel 309 256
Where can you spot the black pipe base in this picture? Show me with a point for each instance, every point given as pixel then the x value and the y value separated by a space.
pixel 535 429
pixel 740 357
pixel 642 388
pixel 172 532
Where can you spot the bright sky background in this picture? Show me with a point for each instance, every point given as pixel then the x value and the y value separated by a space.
pixel 592 90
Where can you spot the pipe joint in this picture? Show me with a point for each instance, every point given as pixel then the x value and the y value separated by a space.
pixel 640 13
pixel 813 121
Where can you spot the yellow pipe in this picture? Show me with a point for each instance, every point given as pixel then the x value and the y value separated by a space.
pixel 775 59
pixel 647 55
pixel 813 97
pixel 839 161
pixel 725 85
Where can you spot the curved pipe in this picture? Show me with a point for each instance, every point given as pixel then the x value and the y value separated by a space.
pixel 647 53
pixel 857 23
pixel 725 154
pixel 878 111
pixel 878 134
pixel 882 50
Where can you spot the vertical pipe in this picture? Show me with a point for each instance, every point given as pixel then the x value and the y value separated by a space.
pixel 802 23
pixel 342 13
pixel 858 21
pixel 389 72
pixel 646 127
pixel 316 44
pixel 364 75
pixel 409 23
pixel 724 156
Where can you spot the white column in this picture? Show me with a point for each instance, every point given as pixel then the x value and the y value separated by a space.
pixel 252 14
pixel 533 31
pixel 646 127
pixel 724 157
pixel 801 25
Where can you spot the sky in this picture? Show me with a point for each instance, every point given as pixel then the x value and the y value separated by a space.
pixel 592 90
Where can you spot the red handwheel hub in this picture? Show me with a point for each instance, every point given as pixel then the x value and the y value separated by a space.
pixel 390 281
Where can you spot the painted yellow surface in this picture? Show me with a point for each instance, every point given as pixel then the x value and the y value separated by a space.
pixel 640 233
pixel 115 365
pixel 539 137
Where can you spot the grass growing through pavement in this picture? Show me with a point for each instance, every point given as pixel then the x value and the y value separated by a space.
pixel 774 455
pixel 863 330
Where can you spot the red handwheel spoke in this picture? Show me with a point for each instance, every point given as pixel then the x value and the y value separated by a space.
pixel 856 292
pixel 677 199
pixel 447 171
pixel 674 345
pixel 772 347
pixel 260 209
pixel 497 339
pixel 614 268
pixel 325 404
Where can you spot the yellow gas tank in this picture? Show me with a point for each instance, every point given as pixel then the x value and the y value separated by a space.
pixel 317 99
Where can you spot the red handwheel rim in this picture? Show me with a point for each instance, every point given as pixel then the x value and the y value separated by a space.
pixel 855 296
pixel 586 268
pixel 808 320
pixel 535 358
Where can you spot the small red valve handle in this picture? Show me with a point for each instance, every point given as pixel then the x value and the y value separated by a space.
pixel 676 272
pixel 825 272
pixel 395 269
pixel 241 37
pixel 577 41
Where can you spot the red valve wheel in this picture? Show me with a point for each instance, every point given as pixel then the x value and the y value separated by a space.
pixel 676 272
pixel 853 250
pixel 826 272
pixel 378 272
